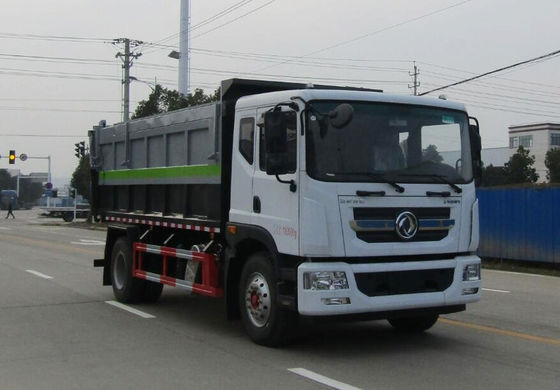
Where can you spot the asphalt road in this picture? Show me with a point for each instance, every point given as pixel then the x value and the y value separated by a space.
pixel 57 331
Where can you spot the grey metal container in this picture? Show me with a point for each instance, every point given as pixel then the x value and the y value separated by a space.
pixel 165 166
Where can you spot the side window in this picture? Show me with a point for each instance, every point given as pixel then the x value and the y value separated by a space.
pixel 246 138
pixel 291 121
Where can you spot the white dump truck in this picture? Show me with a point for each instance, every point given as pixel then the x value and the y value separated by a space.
pixel 290 200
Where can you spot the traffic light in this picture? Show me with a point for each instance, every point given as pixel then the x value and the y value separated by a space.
pixel 80 149
pixel 12 157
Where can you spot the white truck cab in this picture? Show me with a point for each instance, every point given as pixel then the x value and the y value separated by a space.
pixel 380 206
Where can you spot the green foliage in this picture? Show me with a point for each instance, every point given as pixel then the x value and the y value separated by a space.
pixel 519 168
pixel 81 177
pixel 29 192
pixel 431 154
pixel 162 100
pixel 552 163
pixel 6 181
pixel 493 176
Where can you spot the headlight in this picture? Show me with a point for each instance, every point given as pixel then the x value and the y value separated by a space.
pixel 471 272
pixel 325 280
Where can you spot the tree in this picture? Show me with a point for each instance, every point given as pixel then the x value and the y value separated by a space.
pixel 431 154
pixel 81 178
pixel 7 182
pixel 493 176
pixel 519 168
pixel 552 163
pixel 163 100
pixel 29 192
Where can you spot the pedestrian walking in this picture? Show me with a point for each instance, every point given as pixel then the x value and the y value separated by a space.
pixel 10 211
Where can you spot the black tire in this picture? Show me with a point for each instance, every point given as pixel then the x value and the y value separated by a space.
pixel 265 323
pixel 414 324
pixel 68 217
pixel 152 291
pixel 126 288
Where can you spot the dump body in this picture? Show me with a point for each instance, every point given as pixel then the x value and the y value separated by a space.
pixel 160 169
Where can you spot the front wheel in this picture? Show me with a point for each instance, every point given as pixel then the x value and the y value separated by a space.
pixel 414 324
pixel 264 322
pixel 68 217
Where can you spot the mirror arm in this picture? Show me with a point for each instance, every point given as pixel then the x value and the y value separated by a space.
pixel 292 183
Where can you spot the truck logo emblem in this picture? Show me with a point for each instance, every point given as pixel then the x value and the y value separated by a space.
pixel 406 225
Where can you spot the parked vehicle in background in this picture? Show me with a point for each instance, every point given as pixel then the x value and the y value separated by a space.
pixel 291 201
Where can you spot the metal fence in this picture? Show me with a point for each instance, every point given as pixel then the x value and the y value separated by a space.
pixel 520 223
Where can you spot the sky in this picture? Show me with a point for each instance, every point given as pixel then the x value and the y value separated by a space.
pixel 59 75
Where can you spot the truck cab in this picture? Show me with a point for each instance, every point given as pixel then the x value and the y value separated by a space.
pixel 371 195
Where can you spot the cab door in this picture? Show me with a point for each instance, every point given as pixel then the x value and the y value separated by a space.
pixel 276 204
pixel 243 168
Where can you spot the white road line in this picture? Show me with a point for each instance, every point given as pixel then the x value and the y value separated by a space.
pixel 130 309
pixel 38 274
pixel 494 290
pixel 87 242
pixel 5 228
pixel 334 384
pixel 520 273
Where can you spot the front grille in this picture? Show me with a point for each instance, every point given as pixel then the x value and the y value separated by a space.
pixel 377 284
pixel 434 222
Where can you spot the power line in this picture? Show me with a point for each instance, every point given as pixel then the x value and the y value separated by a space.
pixel 57 59
pixel 497 78
pixel 484 106
pixel 59 75
pixel 494 86
pixel 42 135
pixel 205 21
pixel 380 30
pixel 540 58
pixel 54 38
pixel 234 20
pixel 9 108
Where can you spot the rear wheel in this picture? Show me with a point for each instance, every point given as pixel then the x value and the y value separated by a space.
pixel 414 324
pixel 68 217
pixel 126 288
pixel 264 322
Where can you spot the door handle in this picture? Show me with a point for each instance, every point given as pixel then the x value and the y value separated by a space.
pixel 256 204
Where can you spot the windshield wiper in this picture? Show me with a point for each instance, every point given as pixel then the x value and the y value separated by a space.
pixel 381 178
pixel 440 178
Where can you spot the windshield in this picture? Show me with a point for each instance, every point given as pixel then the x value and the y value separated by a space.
pixel 404 143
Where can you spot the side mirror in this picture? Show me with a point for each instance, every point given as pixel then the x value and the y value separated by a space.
pixel 341 115
pixel 276 143
pixel 476 148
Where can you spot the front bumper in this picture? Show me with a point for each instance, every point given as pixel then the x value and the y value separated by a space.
pixel 314 302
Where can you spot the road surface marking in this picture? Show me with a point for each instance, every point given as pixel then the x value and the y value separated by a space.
pixel 87 242
pixel 494 290
pixel 520 273
pixel 130 309
pixel 39 274
pixel 334 384
pixel 5 228
pixel 504 332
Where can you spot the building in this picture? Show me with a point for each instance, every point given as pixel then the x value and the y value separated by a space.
pixel 539 138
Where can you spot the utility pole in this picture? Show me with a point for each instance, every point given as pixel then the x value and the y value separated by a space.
pixel 127 59
pixel 416 83
pixel 184 48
